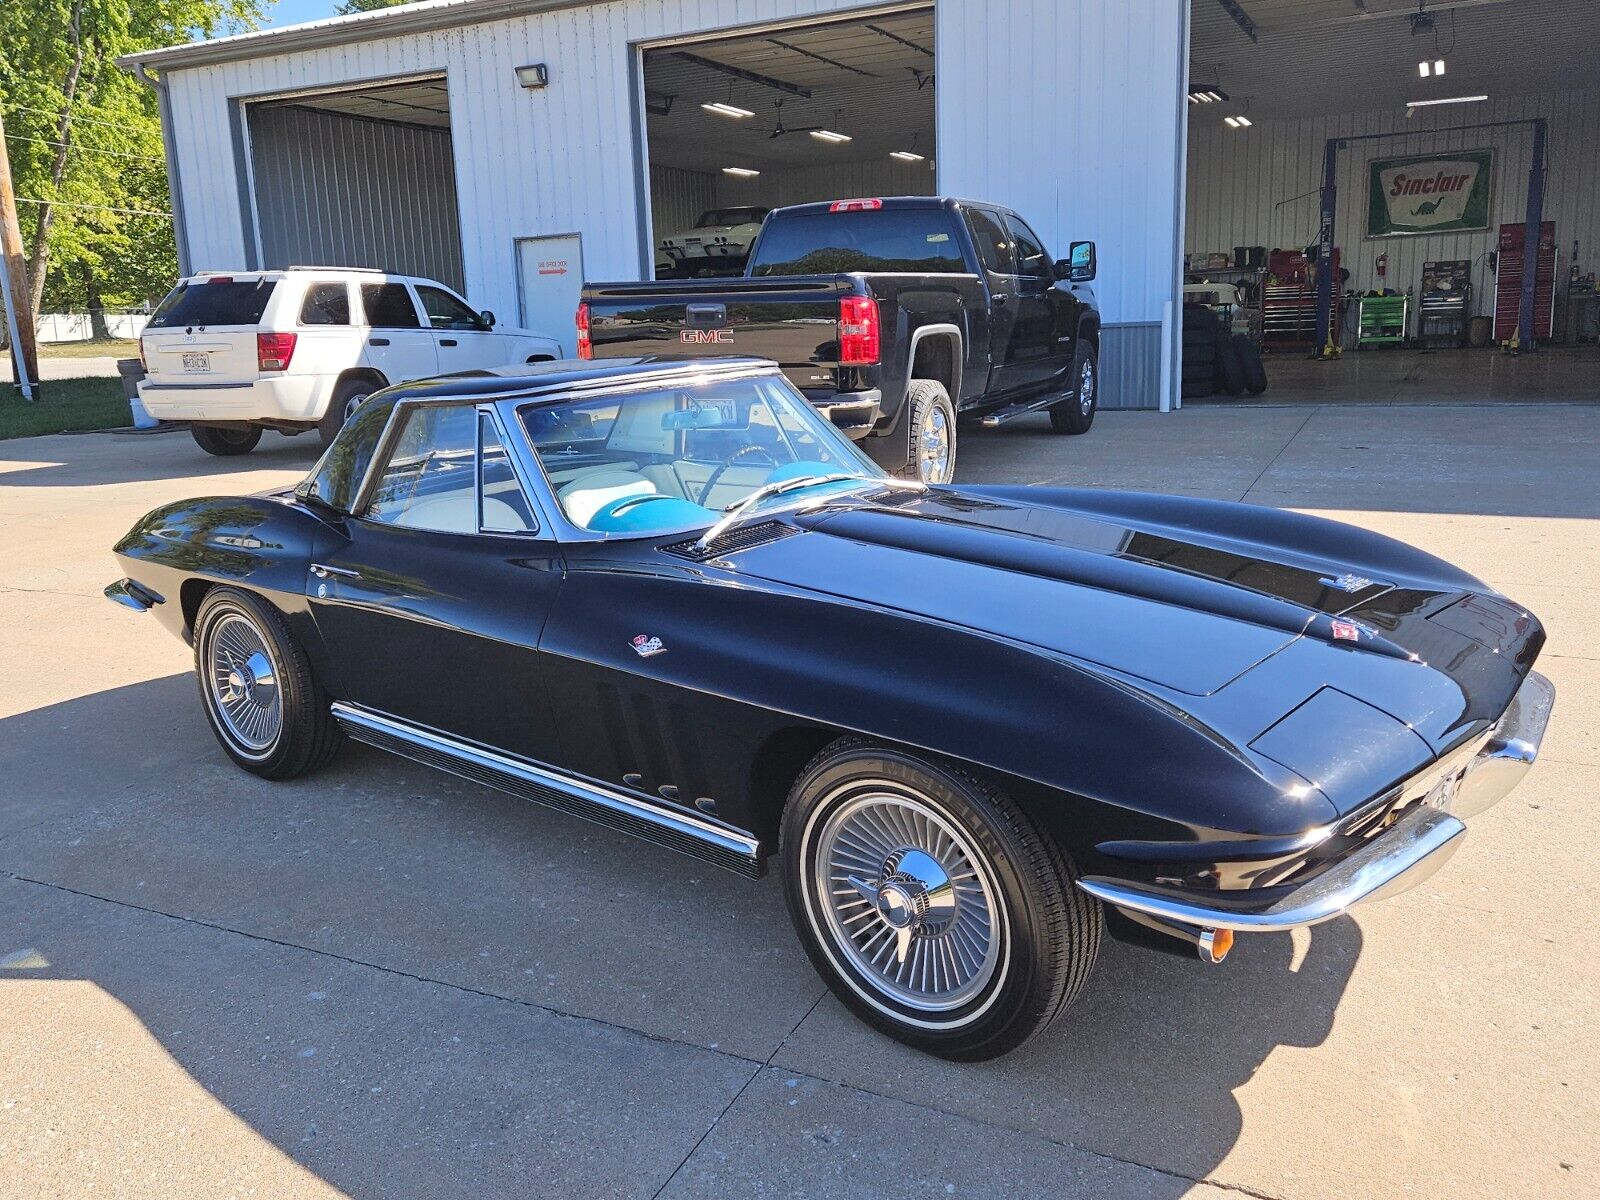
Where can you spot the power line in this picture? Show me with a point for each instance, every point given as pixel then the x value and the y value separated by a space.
pixel 18 137
pixel 137 212
pixel 56 113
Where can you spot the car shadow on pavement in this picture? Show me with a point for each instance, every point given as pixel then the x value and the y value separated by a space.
pixel 92 459
pixel 376 968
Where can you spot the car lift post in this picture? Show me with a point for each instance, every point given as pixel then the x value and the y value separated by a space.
pixel 1530 241
pixel 1327 346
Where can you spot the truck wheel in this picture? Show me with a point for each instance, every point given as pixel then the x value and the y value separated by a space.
pixel 933 432
pixel 929 902
pixel 224 443
pixel 347 397
pixel 256 685
pixel 1076 413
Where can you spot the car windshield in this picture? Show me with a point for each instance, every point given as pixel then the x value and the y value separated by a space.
pixel 681 457
pixel 730 216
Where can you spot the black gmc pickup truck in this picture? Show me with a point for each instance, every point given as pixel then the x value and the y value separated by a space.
pixel 893 316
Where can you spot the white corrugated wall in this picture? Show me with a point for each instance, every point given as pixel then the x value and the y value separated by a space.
pixel 1258 187
pixel 1064 109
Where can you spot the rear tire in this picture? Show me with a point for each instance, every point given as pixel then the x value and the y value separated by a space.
pixel 1076 413
pixel 932 434
pixel 224 443
pixel 264 705
pixel 1255 371
pixel 976 935
pixel 350 395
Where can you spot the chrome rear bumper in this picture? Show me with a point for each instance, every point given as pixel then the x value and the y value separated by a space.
pixel 1403 856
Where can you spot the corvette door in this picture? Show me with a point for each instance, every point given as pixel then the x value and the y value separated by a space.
pixel 432 600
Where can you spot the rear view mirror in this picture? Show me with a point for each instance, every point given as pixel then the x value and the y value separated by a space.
pixel 487 317
pixel 1081 265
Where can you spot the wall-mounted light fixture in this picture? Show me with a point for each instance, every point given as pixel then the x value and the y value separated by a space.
pixel 533 76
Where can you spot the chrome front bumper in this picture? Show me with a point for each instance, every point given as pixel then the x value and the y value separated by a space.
pixel 1401 857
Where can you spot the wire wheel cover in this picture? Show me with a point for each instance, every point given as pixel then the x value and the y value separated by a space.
pixel 242 683
pixel 909 902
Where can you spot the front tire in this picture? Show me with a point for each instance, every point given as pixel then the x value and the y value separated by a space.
pixel 225 443
pixel 1076 413
pixel 930 903
pixel 256 686
pixel 933 432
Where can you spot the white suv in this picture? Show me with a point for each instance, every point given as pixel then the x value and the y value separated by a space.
pixel 300 348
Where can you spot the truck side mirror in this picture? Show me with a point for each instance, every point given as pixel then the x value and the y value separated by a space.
pixel 487 317
pixel 1080 266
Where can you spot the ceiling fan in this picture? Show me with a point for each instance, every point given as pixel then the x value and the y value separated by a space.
pixel 778 127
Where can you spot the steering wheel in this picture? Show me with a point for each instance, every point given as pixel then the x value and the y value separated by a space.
pixel 723 466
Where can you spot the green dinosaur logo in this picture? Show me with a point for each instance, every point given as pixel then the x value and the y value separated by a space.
pixel 1426 209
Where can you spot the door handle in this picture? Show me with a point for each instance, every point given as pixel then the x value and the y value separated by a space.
pixel 377 341
pixel 999 299
pixel 447 342
pixel 325 572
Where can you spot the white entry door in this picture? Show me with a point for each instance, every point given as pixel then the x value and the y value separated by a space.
pixel 551 274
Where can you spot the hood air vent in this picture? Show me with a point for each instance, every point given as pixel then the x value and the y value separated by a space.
pixel 741 537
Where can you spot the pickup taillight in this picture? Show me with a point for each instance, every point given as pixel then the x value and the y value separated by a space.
pixel 274 350
pixel 585 346
pixel 144 363
pixel 860 335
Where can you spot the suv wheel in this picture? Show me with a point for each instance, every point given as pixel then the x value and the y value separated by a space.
pixel 1076 413
pixel 930 904
pixel 933 432
pixel 347 397
pixel 225 443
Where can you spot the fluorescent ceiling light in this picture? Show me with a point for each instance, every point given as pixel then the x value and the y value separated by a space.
pixel 1207 95
pixel 828 135
pixel 727 110
pixel 1238 122
pixel 1448 100
pixel 905 156
pixel 1232 121
pixel 741 172
pixel 1438 66
pixel 1424 69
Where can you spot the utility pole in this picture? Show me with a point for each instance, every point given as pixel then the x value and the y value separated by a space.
pixel 14 284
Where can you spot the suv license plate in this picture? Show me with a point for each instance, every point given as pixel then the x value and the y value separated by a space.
pixel 196 364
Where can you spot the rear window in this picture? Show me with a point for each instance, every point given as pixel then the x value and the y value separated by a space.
pixel 916 239
pixel 211 303
pixel 730 216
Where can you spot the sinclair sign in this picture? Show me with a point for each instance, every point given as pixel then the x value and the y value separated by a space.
pixel 1433 193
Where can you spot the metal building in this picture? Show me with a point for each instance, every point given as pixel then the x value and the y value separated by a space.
pixel 515 147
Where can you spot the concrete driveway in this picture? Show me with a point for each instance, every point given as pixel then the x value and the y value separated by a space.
pixel 384 981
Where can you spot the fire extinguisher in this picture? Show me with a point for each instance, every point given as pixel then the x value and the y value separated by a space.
pixel 1383 264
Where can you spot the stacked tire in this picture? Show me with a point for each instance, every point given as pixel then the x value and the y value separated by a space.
pixel 1216 360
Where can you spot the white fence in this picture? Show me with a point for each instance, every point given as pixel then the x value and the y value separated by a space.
pixel 77 327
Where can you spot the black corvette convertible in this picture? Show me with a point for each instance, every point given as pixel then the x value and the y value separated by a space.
pixel 978 726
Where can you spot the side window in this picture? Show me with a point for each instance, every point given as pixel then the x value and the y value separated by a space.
pixel 994 247
pixel 326 304
pixel 1032 261
pixel 445 311
pixel 502 504
pixel 389 306
pixel 430 480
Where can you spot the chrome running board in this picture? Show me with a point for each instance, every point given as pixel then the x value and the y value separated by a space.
pixel 715 843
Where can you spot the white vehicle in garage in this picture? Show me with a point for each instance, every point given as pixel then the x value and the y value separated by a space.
pixel 720 238
pixel 231 354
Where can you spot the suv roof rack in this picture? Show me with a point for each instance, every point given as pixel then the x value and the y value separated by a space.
pixel 329 267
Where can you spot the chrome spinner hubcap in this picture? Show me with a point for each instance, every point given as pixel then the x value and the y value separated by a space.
pixel 908 900
pixel 244 684
pixel 1086 388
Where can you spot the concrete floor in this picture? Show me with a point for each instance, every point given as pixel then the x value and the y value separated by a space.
pixel 384 981
pixel 1383 375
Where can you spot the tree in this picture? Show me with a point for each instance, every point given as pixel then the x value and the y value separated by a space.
pixel 85 140
pixel 361 6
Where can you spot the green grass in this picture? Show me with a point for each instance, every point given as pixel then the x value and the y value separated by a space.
pixel 114 348
pixel 63 405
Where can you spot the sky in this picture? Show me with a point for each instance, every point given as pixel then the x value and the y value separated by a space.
pixel 292 12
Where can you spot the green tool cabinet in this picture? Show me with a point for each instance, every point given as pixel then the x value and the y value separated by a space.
pixel 1382 320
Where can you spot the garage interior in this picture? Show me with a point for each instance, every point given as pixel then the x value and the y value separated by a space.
pixel 815 111
pixel 360 177
pixel 1419 317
